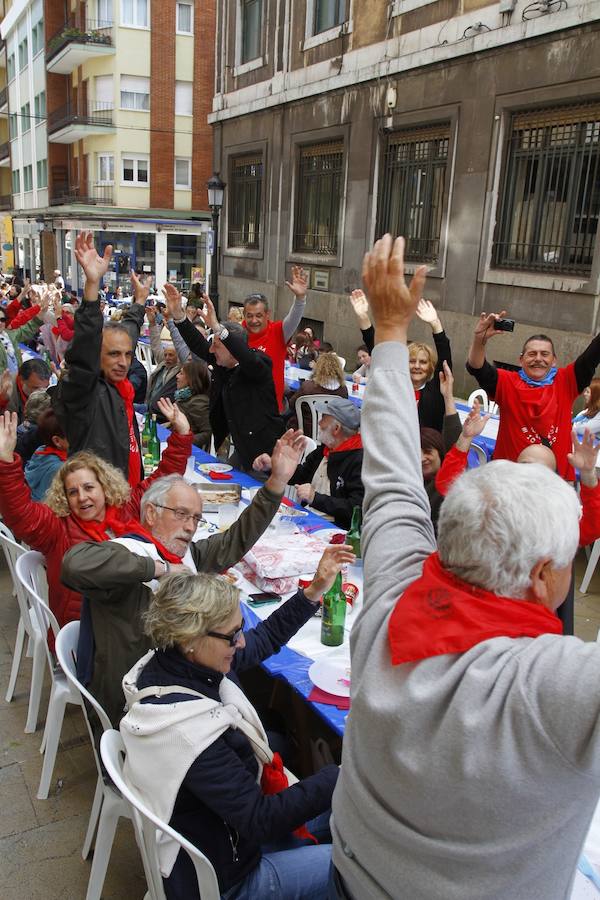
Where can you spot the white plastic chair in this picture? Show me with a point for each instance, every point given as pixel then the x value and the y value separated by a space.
pixel 28 627
pixel 590 568
pixel 311 401
pixel 108 805
pixel 147 826
pixel 342 361
pixel 32 575
pixel 309 446
pixel 487 405
pixel 146 357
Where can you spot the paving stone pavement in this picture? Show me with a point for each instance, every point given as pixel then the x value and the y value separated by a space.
pixel 41 840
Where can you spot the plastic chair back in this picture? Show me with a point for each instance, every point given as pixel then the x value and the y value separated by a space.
pixel 12 552
pixel 66 651
pixel 487 405
pixel 147 824
pixel 311 401
pixel 480 454
pixel 31 573
pixel 309 446
pixel 342 361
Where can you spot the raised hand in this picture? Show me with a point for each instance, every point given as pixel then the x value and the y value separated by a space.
pixel 176 420
pixel 299 283
pixel 426 311
pixel 393 303
pixel 360 305
pixel 141 290
pixel 334 558
pixel 447 388
pixel 475 422
pixel 285 458
pixel 8 436
pixel 151 314
pixel 173 300
pixel 210 317
pixel 94 266
pixel 485 328
pixel 584 455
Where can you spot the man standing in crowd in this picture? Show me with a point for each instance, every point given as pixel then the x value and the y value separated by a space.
pixel 471 763
pixel 33 375
pixel 94 399
pixel 536 402
pixel 272 337
pixel 329 479
pixel 117 577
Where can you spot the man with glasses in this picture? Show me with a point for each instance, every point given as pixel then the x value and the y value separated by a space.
pixel 117 577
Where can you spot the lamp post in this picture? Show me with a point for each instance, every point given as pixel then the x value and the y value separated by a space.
pixel 215 189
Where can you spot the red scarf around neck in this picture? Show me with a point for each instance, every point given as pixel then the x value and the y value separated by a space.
pixel 441 614
pixel 51 451
pixel 351 443
pixel 126 392
pixel 98 531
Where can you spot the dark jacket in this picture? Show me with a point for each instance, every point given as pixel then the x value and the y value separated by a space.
pixel 196 410
pixel 219 804
pixel 345 483
pixel 138 376
pixel 242 400
pixel 89 408
pixel 162 383
pixel 111 578
pixel 451 432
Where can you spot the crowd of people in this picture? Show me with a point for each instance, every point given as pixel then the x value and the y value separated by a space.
pixel 468 763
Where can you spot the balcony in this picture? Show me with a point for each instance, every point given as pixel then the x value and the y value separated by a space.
pixel 5 201
pixel 5 154
pixel 73 46
pixel 65 194
pixel 69 123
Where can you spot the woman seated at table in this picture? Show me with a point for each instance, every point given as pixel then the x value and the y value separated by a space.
pixel 197 753
pixel 327 378
pixel 305 353
pixel 88 500
pixel 191 396
pixel 363 357
pixel 590 417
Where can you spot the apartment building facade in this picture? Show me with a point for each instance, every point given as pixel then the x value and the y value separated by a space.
pixel 470 127
pixel 108 103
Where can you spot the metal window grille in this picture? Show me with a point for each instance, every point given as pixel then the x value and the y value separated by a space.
pixel 548 216
pixel 318 196
pixel 413 187
pixel 245 202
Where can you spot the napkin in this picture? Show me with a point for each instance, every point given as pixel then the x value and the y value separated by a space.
pixel 219 476
pixel 319 696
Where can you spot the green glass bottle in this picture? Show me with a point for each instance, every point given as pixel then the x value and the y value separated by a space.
pixel 154 444
pixel 334 614
pixel 146 433
pixel 353 536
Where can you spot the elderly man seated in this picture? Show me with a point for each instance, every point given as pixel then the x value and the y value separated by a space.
pixel 117 577
pixel 471 763
pixel 330 477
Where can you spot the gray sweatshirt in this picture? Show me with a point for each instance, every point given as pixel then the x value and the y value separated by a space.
pixel 468 776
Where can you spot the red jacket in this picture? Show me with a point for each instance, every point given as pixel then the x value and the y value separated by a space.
pixel 24 316
pixel 36 525
pixel 65 327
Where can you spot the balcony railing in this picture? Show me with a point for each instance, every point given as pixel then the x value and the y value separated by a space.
pixel 5 201
pixel 62 194
pixel 83 114
pixel 3 96
pixel 5 150
pixel 94 32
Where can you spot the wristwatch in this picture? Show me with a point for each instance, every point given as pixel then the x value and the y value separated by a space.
pixel 223 333
pixel 167 566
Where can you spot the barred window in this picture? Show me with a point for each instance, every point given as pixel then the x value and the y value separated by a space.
pixel 548 216
pixel 318 198
pixel 243 214
pixel 413 188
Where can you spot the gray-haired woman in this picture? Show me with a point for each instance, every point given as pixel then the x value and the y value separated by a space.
pixel 197 751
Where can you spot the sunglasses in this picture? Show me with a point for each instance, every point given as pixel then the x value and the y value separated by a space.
pixel 232 639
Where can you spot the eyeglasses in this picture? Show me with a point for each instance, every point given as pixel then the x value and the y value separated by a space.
pixel 2 318
pixel 232 639
pixel 182 515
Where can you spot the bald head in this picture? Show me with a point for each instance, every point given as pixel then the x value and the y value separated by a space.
pixel 538 453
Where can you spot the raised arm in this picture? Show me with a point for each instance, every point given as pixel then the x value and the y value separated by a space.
pixel 155 341
pixel 181 348
pixel 196 342
pixel 586 362
pixel 297 286
pixel 360 305
pixel 477 364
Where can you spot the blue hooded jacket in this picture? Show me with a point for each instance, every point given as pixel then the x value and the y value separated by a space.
pixel 40 471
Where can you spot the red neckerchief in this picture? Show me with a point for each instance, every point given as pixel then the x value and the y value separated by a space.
pixel 98 531
pixel 22 393
pixel 441 614
pixel 351 443
pixel 126 392
pixel 51 451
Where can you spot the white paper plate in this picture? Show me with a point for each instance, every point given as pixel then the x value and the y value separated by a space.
pixel 332 674
pixel 214 467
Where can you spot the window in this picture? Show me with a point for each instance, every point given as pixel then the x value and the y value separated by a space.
pixel 135 92
pixel 328 14
pixel 39 107
pixel 105 11
pixel 413 188
pixel 10 67
pixel 183 98
pixel 16 181
pixel 103 89
pixel 106 168
pixel 548 214
pixel 37 37
pixel 135 170
pixel 42 173
pixel 13 128
pixel 28 178
pixel 23 54
pixel 134 12
pixel 183 173
pixel 251 25
pixel 185 20
pixel 244 202
pixel 318 196
pixel 25 117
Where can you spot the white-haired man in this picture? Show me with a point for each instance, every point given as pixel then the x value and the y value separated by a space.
pixel 117 577
pixel 470 764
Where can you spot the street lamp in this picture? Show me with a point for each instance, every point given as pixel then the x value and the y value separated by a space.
pixel 215 188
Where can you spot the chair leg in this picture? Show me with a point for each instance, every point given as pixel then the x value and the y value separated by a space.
pixel 591 566
pixel 30 646
pixel 94 814
pixel 54 721
pixel 107 825
pixel 17 654
pixel 37 682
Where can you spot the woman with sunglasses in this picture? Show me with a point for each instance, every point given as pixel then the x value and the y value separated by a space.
pixel 198 755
